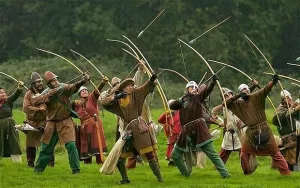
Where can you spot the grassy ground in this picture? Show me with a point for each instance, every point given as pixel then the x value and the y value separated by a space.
pixel 19 175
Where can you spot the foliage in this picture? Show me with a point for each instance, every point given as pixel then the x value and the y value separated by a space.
pixel 85 25
pixel 19 175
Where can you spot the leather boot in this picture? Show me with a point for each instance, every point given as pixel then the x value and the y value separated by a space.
pixel 155 169
pixel 131 162
pixel 30 154
pixel 51 162
pixel 122 169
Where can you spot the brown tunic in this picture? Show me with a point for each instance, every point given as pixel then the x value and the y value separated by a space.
pixel 142 139
pixel 35 117
pixel 287 134
pixel 252 113
pixel 194 133
pixel 58 116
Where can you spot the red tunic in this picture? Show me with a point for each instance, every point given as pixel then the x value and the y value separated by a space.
pixel 88 112
pixel 172 129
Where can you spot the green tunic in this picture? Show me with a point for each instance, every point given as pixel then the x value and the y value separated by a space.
pixel 9 138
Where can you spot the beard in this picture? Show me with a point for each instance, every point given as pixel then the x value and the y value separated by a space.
pixel 39 89
pixel 245 98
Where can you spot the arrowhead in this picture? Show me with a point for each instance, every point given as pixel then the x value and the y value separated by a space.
pixel 140 34
pixel 192 41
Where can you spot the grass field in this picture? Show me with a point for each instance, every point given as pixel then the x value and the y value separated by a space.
pixel 19 175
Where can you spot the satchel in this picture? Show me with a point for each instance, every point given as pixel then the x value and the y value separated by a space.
pixel 261 138
pixel 142 126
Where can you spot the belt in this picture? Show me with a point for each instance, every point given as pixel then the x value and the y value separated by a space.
pixel 257 125
pixel 190 123
pixel 54 120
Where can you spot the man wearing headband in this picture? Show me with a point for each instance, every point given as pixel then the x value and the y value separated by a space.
pixel 231 140
pixel 259 140
pixel 91 129
pixel 195 134
pixel 287 129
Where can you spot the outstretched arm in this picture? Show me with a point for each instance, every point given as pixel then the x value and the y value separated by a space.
pixel 176 105
pixel 100 87
pixel 204 93
pixel 268 88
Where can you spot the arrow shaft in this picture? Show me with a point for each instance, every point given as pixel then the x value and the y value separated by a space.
pixel 210 29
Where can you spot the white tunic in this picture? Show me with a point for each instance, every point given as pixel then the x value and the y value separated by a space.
pixel 231 141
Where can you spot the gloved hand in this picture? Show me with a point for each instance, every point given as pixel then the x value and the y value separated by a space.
pixel 41 129
pixel 240 95
pixel 120 95
pixel 105 79
pixel 20 84
pixel 214 78
pixel 254 82
pixel 153 77
pixel 86 77
pixel 275 78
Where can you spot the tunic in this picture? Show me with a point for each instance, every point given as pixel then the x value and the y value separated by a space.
pixel 35 117
pixel 141 138
pixel 172 129
pixel 194 133
pixel 86 109
pixel 58 112
pixel 252 113
pixel 9 137
pixel 288 136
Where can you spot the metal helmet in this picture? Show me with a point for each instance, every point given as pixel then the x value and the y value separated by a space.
pixel 82 88
pixel 297 60
pixel 115 81
pixel 285 93
pixel 49 76
pixel 226 90
pixel 243 86
pixel 35 77
pixel 191 84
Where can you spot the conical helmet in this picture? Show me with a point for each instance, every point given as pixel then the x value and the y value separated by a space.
pixel 35 77
pixel 115 81
pixel 49 76
pixel 226 90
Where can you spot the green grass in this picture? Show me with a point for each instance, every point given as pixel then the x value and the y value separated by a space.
pixel 19 175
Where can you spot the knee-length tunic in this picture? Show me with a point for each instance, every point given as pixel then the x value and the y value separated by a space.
pixel 9 137
pixel 58 113
pixel 252 113
pixel 194 133
pixel 86 109
pixel 287 133
pixel 142 139
pixel 34 117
